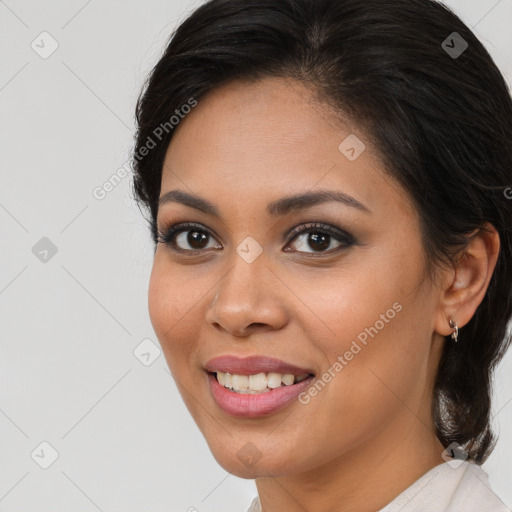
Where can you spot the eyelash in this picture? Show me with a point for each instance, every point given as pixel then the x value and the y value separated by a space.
pixel 167 234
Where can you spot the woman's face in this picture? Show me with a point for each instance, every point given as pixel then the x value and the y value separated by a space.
pixel 346 299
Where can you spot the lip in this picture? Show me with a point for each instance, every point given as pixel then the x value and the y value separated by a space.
pixel 254 406
pixel 251 365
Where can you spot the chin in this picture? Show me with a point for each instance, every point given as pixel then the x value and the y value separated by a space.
pixel 250 462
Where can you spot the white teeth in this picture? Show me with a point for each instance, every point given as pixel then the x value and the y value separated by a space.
pixel 258 383
pixel 240 381
pixel 288 379
pixel 274 380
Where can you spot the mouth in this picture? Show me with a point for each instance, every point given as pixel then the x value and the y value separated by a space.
pixel 255 386
pixel 240 401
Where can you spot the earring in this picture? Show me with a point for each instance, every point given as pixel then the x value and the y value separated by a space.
pixel 453 325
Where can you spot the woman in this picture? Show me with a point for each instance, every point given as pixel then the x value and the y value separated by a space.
pixel 328 187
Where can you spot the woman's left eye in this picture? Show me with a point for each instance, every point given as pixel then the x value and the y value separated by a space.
pixel 318 237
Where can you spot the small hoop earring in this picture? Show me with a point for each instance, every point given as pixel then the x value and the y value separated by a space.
pixel 453 325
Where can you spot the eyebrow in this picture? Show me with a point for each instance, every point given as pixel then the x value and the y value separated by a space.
pixel 279 207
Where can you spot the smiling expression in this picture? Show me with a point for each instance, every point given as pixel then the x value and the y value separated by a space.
pixel 232 180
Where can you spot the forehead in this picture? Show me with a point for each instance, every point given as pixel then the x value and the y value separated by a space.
pixel 247 141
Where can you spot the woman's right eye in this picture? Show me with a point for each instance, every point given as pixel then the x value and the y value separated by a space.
pixel 179 236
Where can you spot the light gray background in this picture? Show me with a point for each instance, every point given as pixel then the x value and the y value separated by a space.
pixel 69 326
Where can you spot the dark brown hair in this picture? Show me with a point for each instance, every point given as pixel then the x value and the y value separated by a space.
pixel 439 114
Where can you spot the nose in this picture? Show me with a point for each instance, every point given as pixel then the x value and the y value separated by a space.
pixel 248 299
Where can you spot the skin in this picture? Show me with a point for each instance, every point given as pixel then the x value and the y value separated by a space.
pixel 368 434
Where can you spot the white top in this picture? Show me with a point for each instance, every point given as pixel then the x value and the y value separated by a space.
pixel 454 486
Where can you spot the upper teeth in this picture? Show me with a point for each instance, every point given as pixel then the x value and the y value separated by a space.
pixel 261 382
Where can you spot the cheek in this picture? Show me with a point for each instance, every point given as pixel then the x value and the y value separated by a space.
pixel 173 304
pixel 376 319
pixel 346 300
pixel 382 347
pixel 159 300
pixel 172 297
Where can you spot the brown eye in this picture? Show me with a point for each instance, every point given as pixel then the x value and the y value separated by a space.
pixel 195 239
pixel 187 238
pixel 318 238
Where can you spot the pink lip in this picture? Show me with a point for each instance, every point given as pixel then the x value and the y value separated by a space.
pixel 251 365
pixel 254 406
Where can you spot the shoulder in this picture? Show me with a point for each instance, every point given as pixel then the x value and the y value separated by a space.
pixel 255 505
pixel 449 488
pixel 445 488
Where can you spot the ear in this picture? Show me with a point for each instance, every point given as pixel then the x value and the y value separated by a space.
pixel 465 285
